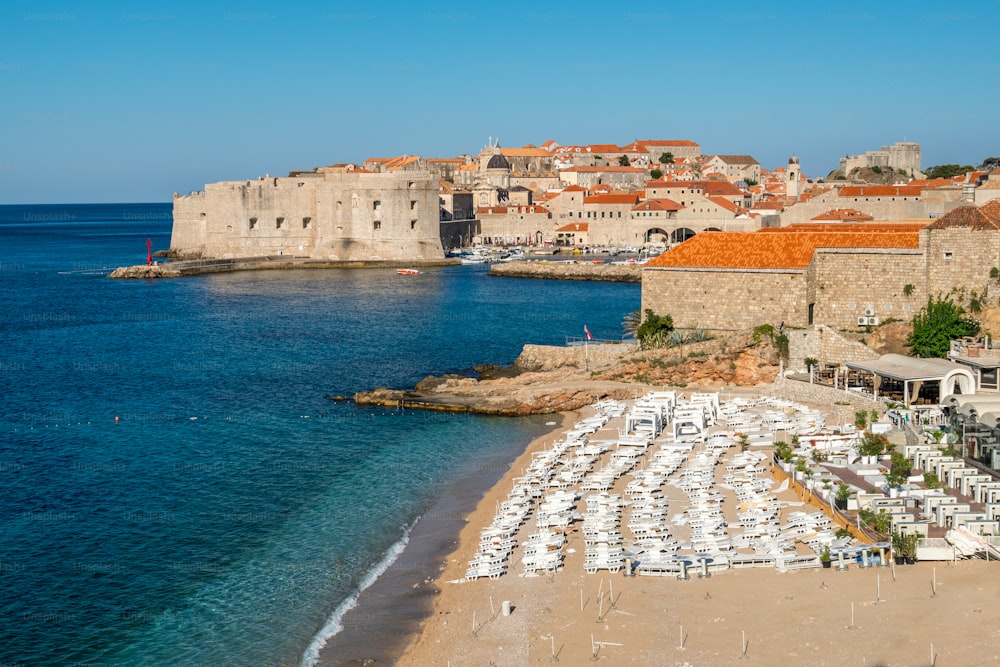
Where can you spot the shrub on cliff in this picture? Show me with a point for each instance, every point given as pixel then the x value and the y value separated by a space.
pixel 655 330
pixel 936 325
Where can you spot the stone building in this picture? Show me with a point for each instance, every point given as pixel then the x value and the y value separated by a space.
pixel 515 225
pixel 881 202
pixel 734 167
pixel 903 156
pixel 841 275
pixel 330 214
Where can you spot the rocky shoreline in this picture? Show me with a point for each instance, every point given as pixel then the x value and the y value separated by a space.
pixel 574 270
pixel 548 379
pixel 193 267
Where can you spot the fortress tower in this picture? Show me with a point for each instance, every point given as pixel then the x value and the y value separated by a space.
pixel 794 175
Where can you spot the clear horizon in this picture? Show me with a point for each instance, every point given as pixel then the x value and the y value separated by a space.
pixel 118 103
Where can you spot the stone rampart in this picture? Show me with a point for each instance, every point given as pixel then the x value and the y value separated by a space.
pixel 331 216
pixel 733 300
pixel 826 346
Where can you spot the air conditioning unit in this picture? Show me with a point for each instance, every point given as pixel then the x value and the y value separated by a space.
pixel 862 321
pixel 869 311
pixel 873 321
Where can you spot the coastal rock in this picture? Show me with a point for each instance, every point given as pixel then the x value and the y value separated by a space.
pixel 574 270
pixel 556 379
pixel 144 271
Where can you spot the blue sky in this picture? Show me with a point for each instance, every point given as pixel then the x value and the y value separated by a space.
pixel 118 101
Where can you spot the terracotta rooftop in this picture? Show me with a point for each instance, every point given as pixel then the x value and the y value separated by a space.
pixel 728 205
pixel 751 250
pixel 574 227
pixel 969 216
pixel 658 204
pixel 848 227
pixel 630 199
pixel 664 142
pixel 525 151
pixel 880 191
pixel 843 214
pixel 609 168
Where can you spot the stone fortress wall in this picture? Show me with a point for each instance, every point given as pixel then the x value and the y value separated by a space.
pixel 334 215
pixel 901 156
pixel 846 288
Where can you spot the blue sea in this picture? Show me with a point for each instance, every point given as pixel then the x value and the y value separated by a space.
pixel 176 485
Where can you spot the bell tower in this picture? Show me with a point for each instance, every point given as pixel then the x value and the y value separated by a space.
pixel 794 174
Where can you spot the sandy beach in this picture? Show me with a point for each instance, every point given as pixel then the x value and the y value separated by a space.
pixel 930 613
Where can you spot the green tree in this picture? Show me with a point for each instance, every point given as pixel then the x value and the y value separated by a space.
pixel 623 161
pixel 948 170
pixel 936 325
pixel 656 174
pixel 990 163
pixel 630 325
pixel 667 158
pixel 654 330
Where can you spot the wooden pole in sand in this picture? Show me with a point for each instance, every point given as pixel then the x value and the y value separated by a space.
pixel 934 582
pixel 852 626
pixel 493 611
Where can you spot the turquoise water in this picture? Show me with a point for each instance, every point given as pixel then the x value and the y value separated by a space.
pixel 232 507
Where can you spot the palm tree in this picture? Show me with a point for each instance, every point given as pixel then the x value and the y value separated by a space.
pixel 631 323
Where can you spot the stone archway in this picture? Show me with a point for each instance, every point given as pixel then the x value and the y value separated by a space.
pixel 680 235
pixel 656 235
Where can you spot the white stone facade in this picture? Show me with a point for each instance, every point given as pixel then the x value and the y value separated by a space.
pixel 340 216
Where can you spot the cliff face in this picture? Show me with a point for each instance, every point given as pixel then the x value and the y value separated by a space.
pixel 556 379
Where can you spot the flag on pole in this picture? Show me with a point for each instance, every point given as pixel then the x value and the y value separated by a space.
pixel 587 331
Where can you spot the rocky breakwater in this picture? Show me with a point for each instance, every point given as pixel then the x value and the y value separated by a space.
pixel 145 271
pixel 573 270
pixel 543 380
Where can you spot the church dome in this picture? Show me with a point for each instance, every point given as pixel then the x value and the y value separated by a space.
pixel 498 161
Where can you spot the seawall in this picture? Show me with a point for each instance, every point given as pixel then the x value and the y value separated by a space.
pixel 555 270
pixel 194 267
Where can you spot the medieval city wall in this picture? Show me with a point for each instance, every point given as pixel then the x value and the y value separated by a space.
pixel 960 257
pixel 848 284
pixel 726 300
pixel 336 216
pixel 826 345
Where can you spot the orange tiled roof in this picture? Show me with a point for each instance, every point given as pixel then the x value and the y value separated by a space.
pixel 629 199
pixel 525 151
pixel 971 216
pixel 664 142
pixel 930 183
pixel 751 250
pixel 728 205
pixel 657 204
pixel 847 227
pixel 843 214
pixel 444 159
pixel 609 168
pixel 575 227
pixel 574 188
pixel 880 191
pixel 991 208
pixel 603 148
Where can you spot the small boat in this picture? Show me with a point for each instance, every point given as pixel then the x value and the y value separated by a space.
pixel 408 272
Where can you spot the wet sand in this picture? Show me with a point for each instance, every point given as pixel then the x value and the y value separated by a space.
pixel 925 614
pixel 390 612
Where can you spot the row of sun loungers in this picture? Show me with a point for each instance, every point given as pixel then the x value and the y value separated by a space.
pixel 666 440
